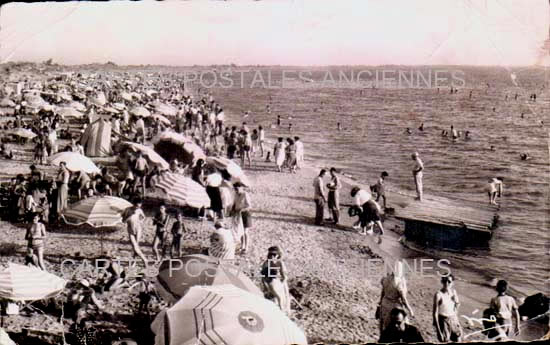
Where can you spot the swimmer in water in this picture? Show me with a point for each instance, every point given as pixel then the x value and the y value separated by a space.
pixel 290 127
pixel 522 115
pixel 525 156
pixel 494 109
pixel 408 131
pixel 454 133
pixel 516 97
pixel 467 135
pixel 492 148
pixel 278 120
pixel 470 96
pixel 339 126
pixel 421 128
pixel 444 133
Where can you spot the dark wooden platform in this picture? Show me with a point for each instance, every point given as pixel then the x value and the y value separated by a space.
pixel 444 222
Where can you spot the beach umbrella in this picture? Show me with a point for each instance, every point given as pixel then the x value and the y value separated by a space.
pixel 161 119
pixel 172 145
pixel 119 106
pixel 148 152
pixel 68 112
pixel 182 190
pixel 175 279
pixel 75 162
pixel 24 283
pixel 136 95
pixel 225 314
pixel 99 100
pixel 165 109
pixel 232 168
pixel 78 106
pixel 125 95
pixel 22 133
pixel 97 211
pixel 6 102
pixel 110 110
pixel 140 111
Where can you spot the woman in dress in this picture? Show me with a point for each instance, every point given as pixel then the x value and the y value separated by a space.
pixel 279 153
pixel 291 155
pixel 394 295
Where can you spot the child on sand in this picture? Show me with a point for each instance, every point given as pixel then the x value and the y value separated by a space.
pixel 379 189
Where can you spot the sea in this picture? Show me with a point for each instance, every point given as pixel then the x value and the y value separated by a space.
pixel 374 113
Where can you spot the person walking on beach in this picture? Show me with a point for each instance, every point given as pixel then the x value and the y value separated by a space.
pixel 279 153
pixel 319 197
pixel 394 295
pixel 445 312
pixel 63 177
pixel 417 173
pixel 36 236
pixel 261 140
pixel 399 331
pixel 505 308
pixel 334 195
pixel 134 218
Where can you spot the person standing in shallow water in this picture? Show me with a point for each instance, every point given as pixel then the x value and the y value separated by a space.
pixel 418 168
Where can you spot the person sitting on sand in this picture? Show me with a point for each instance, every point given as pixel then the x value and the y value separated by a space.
pixel 494 189
pixel 505 308
pixel 80 298
pixel 399 331
pixel 275 279
pixel 394 295
pixel 445 312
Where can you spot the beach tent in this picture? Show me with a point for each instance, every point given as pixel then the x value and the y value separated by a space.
pixel 24 283
pixel 174 281
pixel 97 139
pixel 225 314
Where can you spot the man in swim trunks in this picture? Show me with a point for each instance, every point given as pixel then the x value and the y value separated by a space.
pixel 140 171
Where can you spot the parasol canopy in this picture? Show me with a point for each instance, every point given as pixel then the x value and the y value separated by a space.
pixel 22 133
pixel 24 283
pixel 68 112
pixel 182 190
pixel 237 174
pixel 6 102
pixel 175 279
pixel 75 162
pixel 225 314
pixel 97 211
pixel 172 145
pixel 148 152
pixel 140 111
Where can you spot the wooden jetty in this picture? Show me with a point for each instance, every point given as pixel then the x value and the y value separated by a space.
pixel 443 222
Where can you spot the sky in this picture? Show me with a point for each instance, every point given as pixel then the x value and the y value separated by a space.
pixel 277 32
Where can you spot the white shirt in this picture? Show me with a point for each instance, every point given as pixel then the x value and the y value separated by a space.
pixel 299 148
pixel 262 136
pixel 361 197
pixel 220 116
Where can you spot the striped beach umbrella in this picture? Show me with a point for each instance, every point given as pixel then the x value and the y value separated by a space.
pixel 97 211
pixel 148 152
pixel 75 162
pixel 232 168
pixel 22 133
pixel 174 280
pixel 24 283
pixel 182 190
pixel 225 314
